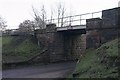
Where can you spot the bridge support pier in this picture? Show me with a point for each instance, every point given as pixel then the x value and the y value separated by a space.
pixel 53 41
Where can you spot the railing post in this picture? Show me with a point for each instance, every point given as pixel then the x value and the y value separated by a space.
pixel 80 19
pixel 92 15
pixel 62 21
pixel 58 22
pixel 70 21
pixel 51 20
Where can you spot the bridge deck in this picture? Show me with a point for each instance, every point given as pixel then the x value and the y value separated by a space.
pixel 76 27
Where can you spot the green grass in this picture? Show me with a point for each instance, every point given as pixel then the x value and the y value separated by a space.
pixel 18 48
pixel 6 40
pixel 0 45
pixel 0 53
pixel 99 63
pixel 27 47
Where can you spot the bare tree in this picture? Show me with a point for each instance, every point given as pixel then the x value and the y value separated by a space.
pixel 43 15
pixel 70 18
pixel 51 15
pixel 40 17
pixel 61 13
pixel 2 24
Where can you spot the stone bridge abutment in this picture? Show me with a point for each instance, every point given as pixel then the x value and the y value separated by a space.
pixel 65 45
pixel 70 44
pixel 99 31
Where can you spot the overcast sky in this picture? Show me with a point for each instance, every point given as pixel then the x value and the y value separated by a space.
pixel 16 11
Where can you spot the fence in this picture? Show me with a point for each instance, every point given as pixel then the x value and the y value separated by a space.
pixel 74 20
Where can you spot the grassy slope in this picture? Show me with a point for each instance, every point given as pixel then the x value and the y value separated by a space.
pixel 0 53
pixel 17 48
pixel 100 63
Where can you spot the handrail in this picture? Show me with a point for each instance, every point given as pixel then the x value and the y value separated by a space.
pixel 74 15
pixel 69 20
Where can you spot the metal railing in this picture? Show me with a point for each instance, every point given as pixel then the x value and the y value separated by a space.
pixel 74 20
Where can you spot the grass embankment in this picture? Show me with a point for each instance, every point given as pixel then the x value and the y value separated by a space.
pixel 18 48
pixel 101 62
pixel 0 53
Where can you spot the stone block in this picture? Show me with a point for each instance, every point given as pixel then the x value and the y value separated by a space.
pixel 93 39
pixel 109 34
pixel 40 31
pixel 110 18
pixel 51 28
pixel 94 23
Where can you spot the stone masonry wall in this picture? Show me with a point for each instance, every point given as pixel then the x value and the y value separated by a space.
pixel 74 45
pixel 63 46
pixel 53 41
pixel 79 45
pixel 110 27
pixel 60 46
pixel 103 30
pixel 93 32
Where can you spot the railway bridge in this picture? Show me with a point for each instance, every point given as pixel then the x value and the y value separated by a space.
pixel 68 39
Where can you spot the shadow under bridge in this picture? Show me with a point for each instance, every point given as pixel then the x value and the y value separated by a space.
pixel 74 40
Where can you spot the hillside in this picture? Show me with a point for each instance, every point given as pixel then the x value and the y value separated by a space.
pixel 18 48
pixel 99 63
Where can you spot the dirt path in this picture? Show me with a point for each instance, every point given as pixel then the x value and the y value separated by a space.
pixel 55 70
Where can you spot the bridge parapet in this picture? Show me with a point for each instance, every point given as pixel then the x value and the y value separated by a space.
pixel 94 23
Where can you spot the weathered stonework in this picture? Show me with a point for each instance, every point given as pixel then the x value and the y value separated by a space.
pixel 94 23
pixel 79 45
pixel 71 44
pixel 110 18
pixel 74 43
pixel 108 34
pixel 53 41
pixel 93 27
pixel 61 46
pixel 110 24
pixel 93 39
pixel 99 31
